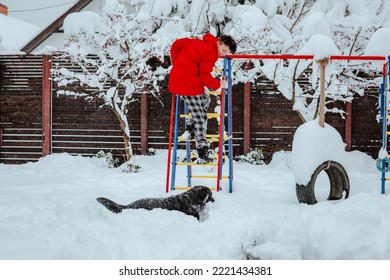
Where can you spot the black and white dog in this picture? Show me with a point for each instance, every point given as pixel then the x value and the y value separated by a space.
pixel 190 202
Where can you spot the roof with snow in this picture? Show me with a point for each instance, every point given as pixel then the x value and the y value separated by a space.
pixel 54 26
pixel 15 33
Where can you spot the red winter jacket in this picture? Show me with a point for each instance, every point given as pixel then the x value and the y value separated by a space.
pixel 193 61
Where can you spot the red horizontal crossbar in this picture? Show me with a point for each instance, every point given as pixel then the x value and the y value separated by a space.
pixel 302 56
pixel 356 57
pixel 270 56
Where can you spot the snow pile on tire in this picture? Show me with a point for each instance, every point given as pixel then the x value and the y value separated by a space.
pixel 317 149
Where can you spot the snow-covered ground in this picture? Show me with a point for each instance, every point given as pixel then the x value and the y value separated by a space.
pixel 48 210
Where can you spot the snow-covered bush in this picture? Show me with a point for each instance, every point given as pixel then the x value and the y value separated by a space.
pixel 111 161
pixel 151 152
pixel 254 156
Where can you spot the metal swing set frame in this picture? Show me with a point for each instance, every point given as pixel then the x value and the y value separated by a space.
pixel 383 164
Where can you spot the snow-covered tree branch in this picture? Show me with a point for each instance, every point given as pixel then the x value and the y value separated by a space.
pixel 119 54
pixel 320 28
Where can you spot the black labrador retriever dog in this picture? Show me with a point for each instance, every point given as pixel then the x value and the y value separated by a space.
pixel 190 202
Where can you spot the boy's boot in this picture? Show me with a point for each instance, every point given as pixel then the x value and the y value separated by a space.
pixel 189 134
pixel 203 155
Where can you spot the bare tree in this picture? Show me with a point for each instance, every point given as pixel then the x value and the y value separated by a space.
pixel 121 56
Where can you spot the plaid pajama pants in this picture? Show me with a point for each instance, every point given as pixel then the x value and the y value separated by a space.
pixel 198 106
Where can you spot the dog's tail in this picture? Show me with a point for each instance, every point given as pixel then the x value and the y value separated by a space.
pixel 111 205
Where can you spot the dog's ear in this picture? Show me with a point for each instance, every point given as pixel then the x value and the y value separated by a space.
pixel 198 194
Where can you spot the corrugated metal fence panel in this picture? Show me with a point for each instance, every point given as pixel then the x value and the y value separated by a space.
pixel 21 108
pixel 159 112
pixel 273 122
pixel 79 127
pixel 86 127
pixel 366 130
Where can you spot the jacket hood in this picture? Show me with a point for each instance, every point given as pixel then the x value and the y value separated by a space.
pixel 210 38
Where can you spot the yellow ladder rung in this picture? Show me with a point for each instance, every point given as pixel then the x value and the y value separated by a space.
pixel 209 137
pixel 214 156
pixel 188 188
pixel 387 179
pixel 195 164
pixel 212 135
pixel 222 156
pixel 217 70
pixel 182 139
pixel 214 92
pixel 208 176
pixel 216 138
pixel 215 115
pixel 209 115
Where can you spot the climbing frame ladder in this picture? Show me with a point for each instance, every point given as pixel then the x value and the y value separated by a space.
pixel 383 163
pixel 174 166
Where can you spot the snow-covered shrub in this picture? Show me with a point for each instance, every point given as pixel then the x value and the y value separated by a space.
pixel 127 168
pixel 151 152
pixel 111 161
pixel 254 156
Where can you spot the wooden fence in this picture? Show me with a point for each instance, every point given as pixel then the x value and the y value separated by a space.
pixel 36 121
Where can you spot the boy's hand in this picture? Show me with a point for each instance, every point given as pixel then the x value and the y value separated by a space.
pixel 223 83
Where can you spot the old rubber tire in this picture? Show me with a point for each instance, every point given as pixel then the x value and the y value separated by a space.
pixel 338 179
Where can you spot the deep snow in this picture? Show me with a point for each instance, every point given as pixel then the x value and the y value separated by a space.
pixel 48 210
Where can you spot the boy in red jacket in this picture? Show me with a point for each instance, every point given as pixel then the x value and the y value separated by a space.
pixel 192 63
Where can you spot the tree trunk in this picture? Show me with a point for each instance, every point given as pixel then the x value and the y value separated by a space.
pixel 126 139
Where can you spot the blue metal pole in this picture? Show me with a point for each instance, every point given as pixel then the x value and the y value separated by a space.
pixel 383 116
pixel 222 127
pixel 175 135
pixel 383 112
pixel 188 151
pixel 230 124
pixel 384 89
